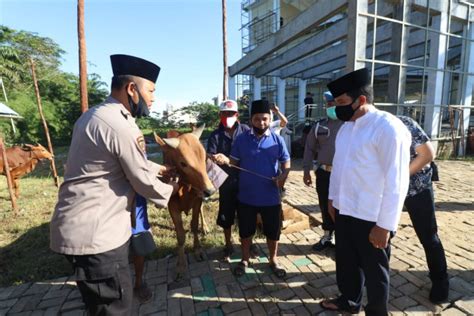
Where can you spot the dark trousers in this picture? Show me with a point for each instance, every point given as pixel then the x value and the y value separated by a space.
pixel 422 213
pixel 104 281
pixel 308 111
pixel 322 188
pixel 358 262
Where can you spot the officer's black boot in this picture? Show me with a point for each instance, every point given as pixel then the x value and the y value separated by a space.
pixel 439 289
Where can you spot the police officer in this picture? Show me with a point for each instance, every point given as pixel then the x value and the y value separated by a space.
pixel 319 149
pixel 106 165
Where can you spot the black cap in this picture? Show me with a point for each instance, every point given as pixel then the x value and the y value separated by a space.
pixel 353 80
pixel 133 66
pixel 260 106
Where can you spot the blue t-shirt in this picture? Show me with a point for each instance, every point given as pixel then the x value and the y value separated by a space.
pixel 141 215
pixel 261 156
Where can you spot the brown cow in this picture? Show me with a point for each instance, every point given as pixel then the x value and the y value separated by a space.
pixel 187 154
pixel 23 160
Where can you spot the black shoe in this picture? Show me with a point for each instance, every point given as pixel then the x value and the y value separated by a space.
pixel 323 244
pixel 439 291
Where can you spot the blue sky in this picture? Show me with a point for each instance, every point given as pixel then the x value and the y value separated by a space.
pixel 184 37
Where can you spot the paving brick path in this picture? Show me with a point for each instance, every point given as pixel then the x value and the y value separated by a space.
pixel 210 288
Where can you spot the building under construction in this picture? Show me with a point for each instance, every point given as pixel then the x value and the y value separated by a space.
pixel 420 53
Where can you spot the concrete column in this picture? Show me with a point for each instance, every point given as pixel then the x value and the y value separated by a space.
pixel 467 58
pixel 276 9
pixel 356 34
pixel 257 88
pixel 398 53
pixel 301 96
pixel 232 88
pixel 435 78
pixel 281 85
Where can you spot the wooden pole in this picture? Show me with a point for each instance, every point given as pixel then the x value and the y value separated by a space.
pixel 82 55
pixel 6 169
pixel 45 126
pixel 224 46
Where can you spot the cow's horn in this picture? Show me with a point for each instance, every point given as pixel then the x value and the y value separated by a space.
pixel 198 131
pixel 172 142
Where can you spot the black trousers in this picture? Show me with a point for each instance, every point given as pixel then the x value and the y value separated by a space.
pixel 322 188
pixel 104 281
pixel 359 263
pixel 421 209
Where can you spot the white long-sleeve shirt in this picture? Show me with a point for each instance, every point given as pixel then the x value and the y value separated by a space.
pixel 370 175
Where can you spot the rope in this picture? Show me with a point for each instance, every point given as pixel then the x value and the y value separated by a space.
pixel 251 172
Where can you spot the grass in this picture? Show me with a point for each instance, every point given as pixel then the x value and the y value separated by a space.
pixel 24 239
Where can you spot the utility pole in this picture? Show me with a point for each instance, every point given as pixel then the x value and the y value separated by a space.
pixel 224 46
pixel 82 55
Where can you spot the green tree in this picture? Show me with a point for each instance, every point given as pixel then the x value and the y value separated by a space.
pixel 206 113
pixel 17 47
pixel 59 90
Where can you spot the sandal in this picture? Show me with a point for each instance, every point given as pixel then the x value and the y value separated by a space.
pixel 339 305
pixel 228 251
pixel 278 270
pixel 239 269
pixel 143 293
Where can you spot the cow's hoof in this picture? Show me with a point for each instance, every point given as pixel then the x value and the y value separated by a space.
pixel 198 255
pixel 205 230
pixel 179 276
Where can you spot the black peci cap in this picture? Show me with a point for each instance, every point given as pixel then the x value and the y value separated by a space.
pixel 129 65
pixel 260 106
pixel 353 80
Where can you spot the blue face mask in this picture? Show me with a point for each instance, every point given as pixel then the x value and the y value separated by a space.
pixel 331 112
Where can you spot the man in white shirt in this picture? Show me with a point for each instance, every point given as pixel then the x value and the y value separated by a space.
pixel 368 185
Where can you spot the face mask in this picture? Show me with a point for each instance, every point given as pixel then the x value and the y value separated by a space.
pixel 259 131
pixel 345 112
pixel 331 112
pixel 228 122
pixel 139 109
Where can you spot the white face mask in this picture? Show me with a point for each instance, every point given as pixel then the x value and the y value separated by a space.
pixel 230 121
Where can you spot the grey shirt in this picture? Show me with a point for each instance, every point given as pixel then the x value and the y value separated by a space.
pixel 320 143
pixel 105 167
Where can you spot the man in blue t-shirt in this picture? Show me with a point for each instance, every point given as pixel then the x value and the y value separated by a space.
pixel 259 152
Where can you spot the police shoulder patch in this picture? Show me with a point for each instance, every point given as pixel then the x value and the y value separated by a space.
pixel 141 143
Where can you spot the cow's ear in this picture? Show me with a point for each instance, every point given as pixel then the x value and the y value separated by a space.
pixel 159 140
pixel 28 147
pixel 198 131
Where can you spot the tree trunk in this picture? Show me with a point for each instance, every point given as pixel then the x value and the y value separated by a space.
pixel 82 55
pixel 6 169
pixel 224 45
pixel 45 125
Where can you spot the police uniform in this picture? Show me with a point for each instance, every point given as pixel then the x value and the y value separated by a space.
pixel 91 223
pixel 319 152
pixel 369 182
